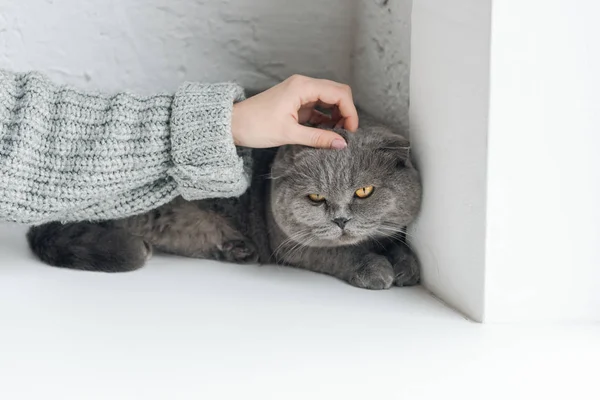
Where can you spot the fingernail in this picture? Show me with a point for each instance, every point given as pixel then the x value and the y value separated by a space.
pixel 338 144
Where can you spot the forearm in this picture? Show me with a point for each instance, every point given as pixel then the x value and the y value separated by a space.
pixel 66 155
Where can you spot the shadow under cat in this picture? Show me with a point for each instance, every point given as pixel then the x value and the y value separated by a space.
pixel 341 213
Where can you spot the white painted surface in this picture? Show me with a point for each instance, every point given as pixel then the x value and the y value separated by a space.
pixel 187 329
pixel 448 116
pixel 543 255
pixel 154 45
pixel 381 61
pixel 541 236
pixel 538 256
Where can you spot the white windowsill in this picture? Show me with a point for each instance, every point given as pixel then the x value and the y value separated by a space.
pixel 182 328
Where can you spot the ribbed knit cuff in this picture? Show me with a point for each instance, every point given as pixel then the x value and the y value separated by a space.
pixel 206 163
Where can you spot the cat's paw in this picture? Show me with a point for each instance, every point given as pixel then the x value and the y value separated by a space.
pixel 376 275
pixel 407 271
pixel 239 251
pixel 149 250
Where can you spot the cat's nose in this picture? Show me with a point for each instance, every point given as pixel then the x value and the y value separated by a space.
pixel 341 222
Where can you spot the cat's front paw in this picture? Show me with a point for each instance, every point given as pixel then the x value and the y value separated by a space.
pixel 149 250
pixel 239 251
pixel 376 275
pixel 407 271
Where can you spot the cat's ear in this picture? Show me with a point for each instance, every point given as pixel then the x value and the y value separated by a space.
pixel 287 156
pixel 291 153
pixel 396 147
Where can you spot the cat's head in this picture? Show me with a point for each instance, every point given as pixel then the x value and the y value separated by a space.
pixel 341 197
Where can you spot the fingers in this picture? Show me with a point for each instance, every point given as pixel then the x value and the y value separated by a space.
pixel 315 137
pixel 326 92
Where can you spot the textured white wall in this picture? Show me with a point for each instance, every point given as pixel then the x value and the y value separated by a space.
pixel 153 45
pixel 150 45
pixel 382 59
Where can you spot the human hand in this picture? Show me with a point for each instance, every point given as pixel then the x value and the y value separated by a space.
pixel 273 118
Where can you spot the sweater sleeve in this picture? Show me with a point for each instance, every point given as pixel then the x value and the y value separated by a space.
pixel 66 155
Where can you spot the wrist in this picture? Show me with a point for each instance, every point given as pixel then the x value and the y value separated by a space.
pixel 235 123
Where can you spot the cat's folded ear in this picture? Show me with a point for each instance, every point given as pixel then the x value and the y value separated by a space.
pixel 292 152
pixel 394 146
pixel 287 156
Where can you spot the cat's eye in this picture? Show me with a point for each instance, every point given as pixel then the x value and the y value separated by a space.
pixel 317 198
pixel 364 192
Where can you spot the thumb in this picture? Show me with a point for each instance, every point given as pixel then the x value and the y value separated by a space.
pixel 315 137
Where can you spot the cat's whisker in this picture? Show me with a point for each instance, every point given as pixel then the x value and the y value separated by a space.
pixel 395 229
pixel 305 246
pixel 393 226
pixel 297 246
pixel 395 233
pixel 395 236
pixel 296 238
pixel 281 245
pixel 390 231
pixel 402 234
pixel 271 177
pixel 373 238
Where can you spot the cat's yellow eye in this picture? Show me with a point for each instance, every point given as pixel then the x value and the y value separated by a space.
pixel 364 192
pixel 317 198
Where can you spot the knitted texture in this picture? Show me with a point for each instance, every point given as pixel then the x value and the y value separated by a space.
pixel 71 156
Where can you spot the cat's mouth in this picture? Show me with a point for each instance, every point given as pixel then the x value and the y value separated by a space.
pixel 343 239
pixel 348 238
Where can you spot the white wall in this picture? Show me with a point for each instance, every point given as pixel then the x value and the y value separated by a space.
pixel 381 61
pixel 537 258
pixel 448 115
pixel 543 234
pixel 504 113
pixel 150 45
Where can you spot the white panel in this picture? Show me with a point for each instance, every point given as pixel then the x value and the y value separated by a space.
pixel 544 164
pixel 448 115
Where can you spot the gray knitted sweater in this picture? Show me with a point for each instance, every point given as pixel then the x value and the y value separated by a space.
pixel 68 156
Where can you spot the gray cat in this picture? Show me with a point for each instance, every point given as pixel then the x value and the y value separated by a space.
pixel 341 213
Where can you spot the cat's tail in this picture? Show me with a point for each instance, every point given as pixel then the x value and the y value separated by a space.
pixel 88 246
